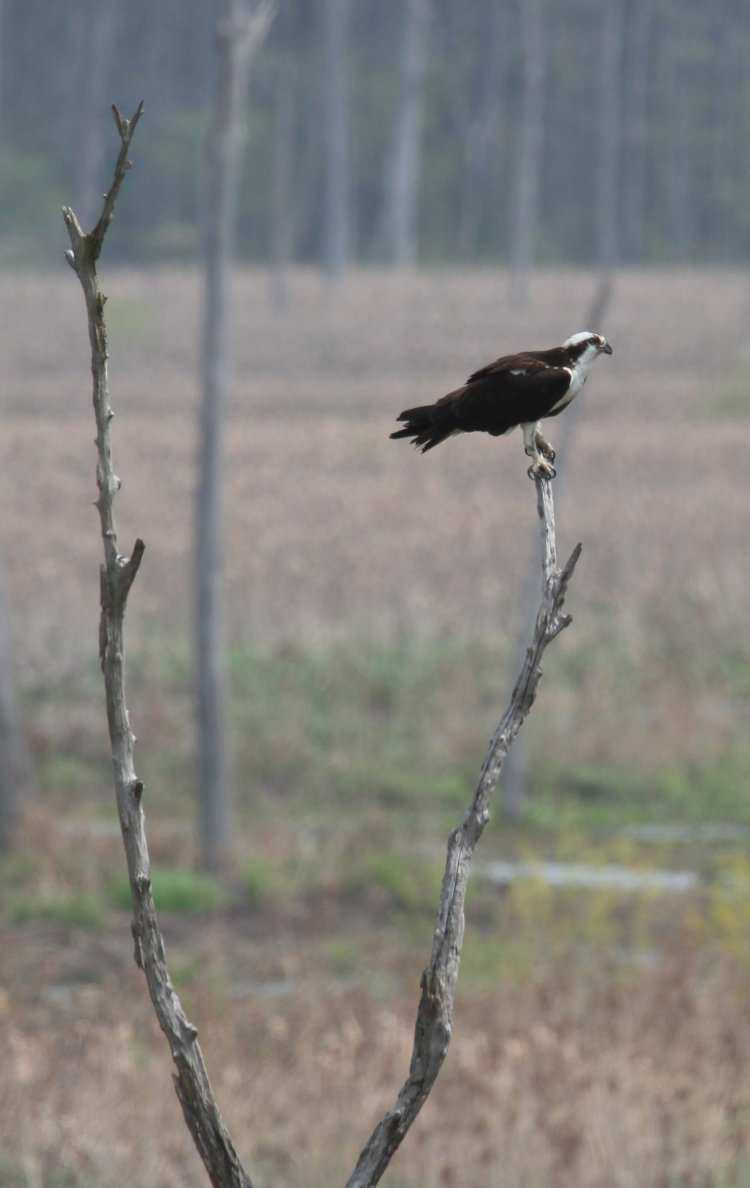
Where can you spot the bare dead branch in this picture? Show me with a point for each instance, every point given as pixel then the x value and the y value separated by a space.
pixel 91 244
pixel 435 1012
pixel 117 575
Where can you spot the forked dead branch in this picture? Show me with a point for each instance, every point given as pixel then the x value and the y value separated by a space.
pixel 435 1012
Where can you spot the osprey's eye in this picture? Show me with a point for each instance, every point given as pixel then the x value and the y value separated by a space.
pixel 594 340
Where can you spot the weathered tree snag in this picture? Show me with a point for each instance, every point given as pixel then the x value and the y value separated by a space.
pixel 117 575
pixel 435 1013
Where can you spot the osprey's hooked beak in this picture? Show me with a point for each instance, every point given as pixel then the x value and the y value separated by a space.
pixel 605 348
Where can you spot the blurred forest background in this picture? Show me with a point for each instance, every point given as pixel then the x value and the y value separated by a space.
pixel 610 131
pixel 426 185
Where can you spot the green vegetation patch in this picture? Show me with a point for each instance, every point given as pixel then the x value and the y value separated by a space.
pixel 77 909
pixel 179 890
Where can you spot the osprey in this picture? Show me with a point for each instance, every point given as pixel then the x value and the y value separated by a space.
pixel 514 390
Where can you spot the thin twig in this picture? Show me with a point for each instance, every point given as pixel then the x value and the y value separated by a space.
pixel 117 575
pixel 435 1013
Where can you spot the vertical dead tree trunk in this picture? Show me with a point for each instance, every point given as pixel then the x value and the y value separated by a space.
pixel 482 129
pixel 2 63
pixel 398 233
pixel 609 135
pixel 725 150
pixel 99 27
pixel 282 205
pixel 678 176
pixel 528 172
pixel 239 34
pixel 635 131
pixel 337 191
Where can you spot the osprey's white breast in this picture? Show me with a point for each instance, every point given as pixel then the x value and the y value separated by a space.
pixel 577 372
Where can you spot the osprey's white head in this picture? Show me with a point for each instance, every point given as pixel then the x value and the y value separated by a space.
pixel 586 346
pixel 582 349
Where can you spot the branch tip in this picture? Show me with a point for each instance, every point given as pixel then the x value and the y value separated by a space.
pixel 125 127
pixel 567 570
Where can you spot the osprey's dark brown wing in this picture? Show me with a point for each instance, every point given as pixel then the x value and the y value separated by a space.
pixel 556 357
pixel 509 392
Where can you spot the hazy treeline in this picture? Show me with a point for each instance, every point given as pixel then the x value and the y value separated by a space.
pixel 591 131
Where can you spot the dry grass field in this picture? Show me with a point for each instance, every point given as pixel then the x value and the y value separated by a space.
pixel 332 528
pixel 607 1051
pixel 336 533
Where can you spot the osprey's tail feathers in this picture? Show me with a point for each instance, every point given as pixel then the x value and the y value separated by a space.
pixel 427 426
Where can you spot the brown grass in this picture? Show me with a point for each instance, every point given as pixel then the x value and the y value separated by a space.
pixel 581 1077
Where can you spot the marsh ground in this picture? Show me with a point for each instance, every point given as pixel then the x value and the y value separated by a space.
pixel 374 601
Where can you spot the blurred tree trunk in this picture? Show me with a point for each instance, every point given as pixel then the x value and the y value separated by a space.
pixel 282 204
pixel 161 32
pixel 337 190
pixel 2 58
pixel 727 152
pixel 481 132
pixel 609 135
pixel 98 27
pixel 635 132
pixel 678 172
pixel 15 765
pixel 399 238
pixel 239 34
pixel 528 172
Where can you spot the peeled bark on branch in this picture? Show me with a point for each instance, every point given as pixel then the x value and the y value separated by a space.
pixel 117 575
pixel 435 1013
